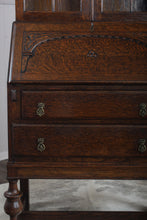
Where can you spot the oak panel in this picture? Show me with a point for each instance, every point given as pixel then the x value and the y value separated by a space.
pixel 83 104
pixel 63 141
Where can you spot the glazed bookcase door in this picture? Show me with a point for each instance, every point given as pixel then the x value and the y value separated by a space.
pixel 52 5
pixel 120 10
pixel 123 5
pixel 53 10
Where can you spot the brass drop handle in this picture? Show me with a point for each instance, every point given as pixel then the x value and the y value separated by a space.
pixel 40 110
pixel 143 110
pixel 142 147
pixel 41 146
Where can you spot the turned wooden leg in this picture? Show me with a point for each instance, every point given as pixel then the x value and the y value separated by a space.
pixel 24 188
pixel 13 205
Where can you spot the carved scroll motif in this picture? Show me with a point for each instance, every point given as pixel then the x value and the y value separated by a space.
pixel 24 63
pixel 33 39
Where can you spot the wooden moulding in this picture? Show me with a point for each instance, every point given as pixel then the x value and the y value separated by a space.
pixel 91 10
pixel 20 171
pixel 83 215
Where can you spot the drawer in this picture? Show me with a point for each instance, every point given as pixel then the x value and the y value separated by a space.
pixel 62 141
pixel 84 105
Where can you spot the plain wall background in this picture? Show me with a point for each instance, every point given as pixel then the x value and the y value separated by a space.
pixel 7 16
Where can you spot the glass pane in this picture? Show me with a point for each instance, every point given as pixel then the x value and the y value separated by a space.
pixel 124 5
pixel 139 5
pixel 52 5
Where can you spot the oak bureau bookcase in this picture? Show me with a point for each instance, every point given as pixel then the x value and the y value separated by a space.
pixel 77 98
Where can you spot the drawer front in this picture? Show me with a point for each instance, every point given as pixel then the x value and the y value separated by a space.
pixel 79 141
pixel 84 105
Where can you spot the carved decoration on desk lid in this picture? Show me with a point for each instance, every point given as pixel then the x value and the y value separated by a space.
pixel 33 39
pixel 24 62
pixel 92 53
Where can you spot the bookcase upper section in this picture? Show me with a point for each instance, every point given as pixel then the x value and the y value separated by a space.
pixel 77 10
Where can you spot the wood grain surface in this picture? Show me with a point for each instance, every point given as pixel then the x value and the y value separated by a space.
pixel 78 141
pixel 83 104
pixel 83 215
pixel 60 10
pixel 91 78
